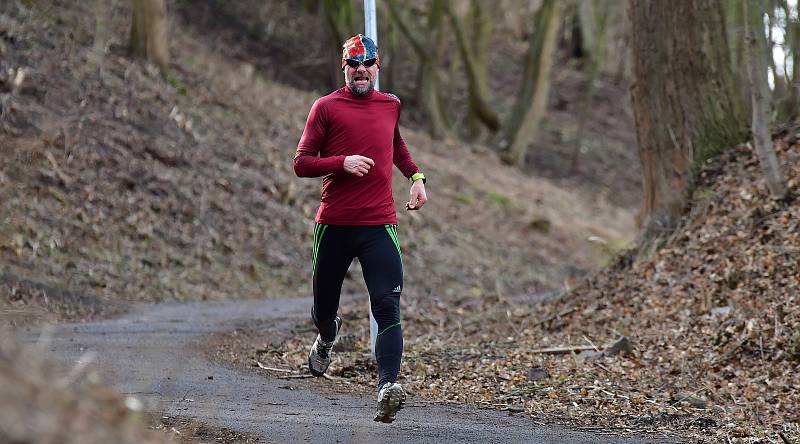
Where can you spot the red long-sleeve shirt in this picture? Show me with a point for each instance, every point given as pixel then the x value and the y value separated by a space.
pixel 343 124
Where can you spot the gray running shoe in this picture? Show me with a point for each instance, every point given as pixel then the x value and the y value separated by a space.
pixel 391 398
pixel 319 358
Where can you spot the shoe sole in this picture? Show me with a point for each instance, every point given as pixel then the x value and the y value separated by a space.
pixel 322 373
pixel 393 400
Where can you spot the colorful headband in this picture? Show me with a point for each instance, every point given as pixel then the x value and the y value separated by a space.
pixel 360 47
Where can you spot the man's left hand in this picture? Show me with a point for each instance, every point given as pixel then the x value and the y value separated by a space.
pixel 418 196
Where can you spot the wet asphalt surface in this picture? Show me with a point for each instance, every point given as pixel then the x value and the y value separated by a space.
pixel 151 354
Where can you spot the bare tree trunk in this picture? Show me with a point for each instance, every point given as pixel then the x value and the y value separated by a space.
pixel 338 18
pixel 524 120
pixel 735 27
pixel 429 71
pixel 436 28
pixel 388 52
pixel 779 80
pixel 149 32
pixel 684 102
pixel 593 18
pixel 479 101
pixel 794 95
pixel 482 25
pixel 623 71
pixel 793 41
pixel 757 68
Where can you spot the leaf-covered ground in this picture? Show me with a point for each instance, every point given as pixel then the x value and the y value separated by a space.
pixel 713 318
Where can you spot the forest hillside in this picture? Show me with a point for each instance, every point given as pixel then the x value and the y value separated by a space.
pixel 122 184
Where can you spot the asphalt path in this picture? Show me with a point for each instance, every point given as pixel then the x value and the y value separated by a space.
pixel 151 353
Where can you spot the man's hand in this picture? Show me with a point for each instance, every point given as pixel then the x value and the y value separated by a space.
pixel 358 165
pixel 418 196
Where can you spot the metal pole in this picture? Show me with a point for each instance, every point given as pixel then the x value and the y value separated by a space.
pixel 371 27
pixel 371 31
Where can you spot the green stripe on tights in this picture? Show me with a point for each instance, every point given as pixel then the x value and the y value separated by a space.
pixel 319 230
pixel 387 328
pixel 392 230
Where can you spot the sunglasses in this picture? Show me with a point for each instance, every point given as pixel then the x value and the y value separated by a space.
pixel 353 63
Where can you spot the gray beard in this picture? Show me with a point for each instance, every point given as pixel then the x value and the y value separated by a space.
pixel 360 91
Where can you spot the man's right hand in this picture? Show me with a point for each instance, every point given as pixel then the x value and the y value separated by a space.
pixel 358 165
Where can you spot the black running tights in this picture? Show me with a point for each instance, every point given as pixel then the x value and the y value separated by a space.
pixel 378 251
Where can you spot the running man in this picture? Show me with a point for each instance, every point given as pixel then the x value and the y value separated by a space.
pixel 352 139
